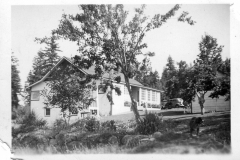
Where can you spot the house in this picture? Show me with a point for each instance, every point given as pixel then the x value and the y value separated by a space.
pixel 215 104
pixel 212 104
pixel 101 106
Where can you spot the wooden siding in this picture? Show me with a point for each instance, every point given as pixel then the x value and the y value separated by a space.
pixel 211 104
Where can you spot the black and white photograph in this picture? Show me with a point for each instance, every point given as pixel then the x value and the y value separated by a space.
pixel 139 78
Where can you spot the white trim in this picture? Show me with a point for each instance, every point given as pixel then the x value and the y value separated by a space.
pixel 60 61
pixel 97 102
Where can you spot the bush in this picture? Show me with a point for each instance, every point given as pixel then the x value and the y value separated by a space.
pixel 78 125
pixel 92 124
pixel 149 124
pixel 29 123
pixel 19 113
pixel 109 125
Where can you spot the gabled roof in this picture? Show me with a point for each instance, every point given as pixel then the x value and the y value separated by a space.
pixel 91 70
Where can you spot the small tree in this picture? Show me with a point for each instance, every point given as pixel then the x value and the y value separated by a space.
pixel 69 89
pixel 105 37
pixel 170 79
pixel 205 68
pixel 16 87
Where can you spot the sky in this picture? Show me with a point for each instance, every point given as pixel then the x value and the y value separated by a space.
pixel 176 39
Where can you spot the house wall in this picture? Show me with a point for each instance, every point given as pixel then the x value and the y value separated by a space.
pixel 104 105
pixel 39 108
pixel 119 100
pixel 211 104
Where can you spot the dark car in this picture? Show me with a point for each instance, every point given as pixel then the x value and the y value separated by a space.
pixel 174 103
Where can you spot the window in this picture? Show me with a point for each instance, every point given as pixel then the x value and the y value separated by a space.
pixel 47 112
pixel 125 90
pixel 74 112
pixel 153 96
pixel 35 95
pixel 149 95
pixel 100 89
pixel 93 111
pixel 143 94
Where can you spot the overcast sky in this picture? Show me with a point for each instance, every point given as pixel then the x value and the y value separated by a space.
pixel 174 38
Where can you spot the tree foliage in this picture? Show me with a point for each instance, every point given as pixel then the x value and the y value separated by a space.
pixel 187 81
pixel 16 87
pixel 205 66
pixel 169 79
pixel 69 89
pixel 146 76
pixel 43 62
pixel 105 37
pixel 223 82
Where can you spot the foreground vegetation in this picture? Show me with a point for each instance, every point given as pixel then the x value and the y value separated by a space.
pixel 89 136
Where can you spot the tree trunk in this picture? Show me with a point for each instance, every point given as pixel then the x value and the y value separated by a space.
pixel 134 104
pixel 202 109
pixel 201 101
pixel 191 107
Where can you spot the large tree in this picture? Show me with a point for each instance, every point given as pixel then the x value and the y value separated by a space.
pixel 43 62
pixel 105 36
pixel 16 87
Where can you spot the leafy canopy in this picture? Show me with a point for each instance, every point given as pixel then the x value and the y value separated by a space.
pixel 108 41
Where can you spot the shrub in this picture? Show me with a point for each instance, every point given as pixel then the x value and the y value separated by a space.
pixel 79 125
pixel 92 124
pixel 109 125
pixel 19 113
pixel 28 124
pixel 59 124
pixel 149 124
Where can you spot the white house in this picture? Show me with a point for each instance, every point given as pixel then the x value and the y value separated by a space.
pixel 101 107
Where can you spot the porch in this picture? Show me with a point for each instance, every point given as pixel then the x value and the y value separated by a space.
pixel 146 98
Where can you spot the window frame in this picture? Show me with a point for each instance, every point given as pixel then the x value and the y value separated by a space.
pixel 149 95
pixel 38 95
pixel 153 96
pixel 143 94
pixel 45 112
